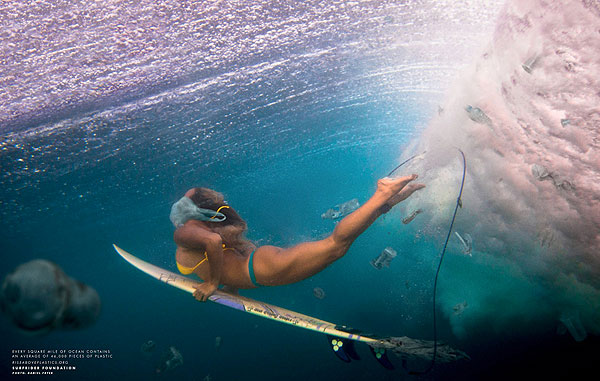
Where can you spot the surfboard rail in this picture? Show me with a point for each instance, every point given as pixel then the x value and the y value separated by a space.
pixel 342 346
pixel 245 304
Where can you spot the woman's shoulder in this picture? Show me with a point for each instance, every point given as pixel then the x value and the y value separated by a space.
pixel 195 236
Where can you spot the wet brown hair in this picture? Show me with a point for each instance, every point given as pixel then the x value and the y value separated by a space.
pixel 233 228
pixel 209 199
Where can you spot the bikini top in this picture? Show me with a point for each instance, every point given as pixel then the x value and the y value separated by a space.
pixel 188 270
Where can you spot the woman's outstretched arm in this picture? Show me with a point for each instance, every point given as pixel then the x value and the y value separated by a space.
pixel 389 193
pixel 278 266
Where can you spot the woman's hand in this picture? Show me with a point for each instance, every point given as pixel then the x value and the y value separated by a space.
pixel 398 189
pixel 405 193
pixel 203 291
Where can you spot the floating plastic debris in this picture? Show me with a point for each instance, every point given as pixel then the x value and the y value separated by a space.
pixel 148 347
pixel 341 210
pixel 384 259
pixel 573 324
pixel 565 122
pixel 467 243
pixel 477 115
pixel 560 183
pixel 540 172
pixel 460 308
pixel 331 214
pixel 39 297
pixel 318 293
pixel 170 360
pixel 408 349
pixel 218 341
pixel 408 219
pixel 545 237
pixel 530 63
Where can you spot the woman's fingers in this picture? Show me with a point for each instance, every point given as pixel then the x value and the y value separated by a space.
pixel 410 189
pixel 401 182
pixel 405 193
pixel 396 190
pixel 389 186
pixel 199 295
pixel 413 187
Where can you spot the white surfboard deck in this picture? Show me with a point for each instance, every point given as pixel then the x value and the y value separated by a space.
pixel 404 347
pixel 241 303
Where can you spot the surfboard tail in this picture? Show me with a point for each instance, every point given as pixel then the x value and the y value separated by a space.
pixel 343 348
pixel 341 338
pixel 380 355
pixel 345 351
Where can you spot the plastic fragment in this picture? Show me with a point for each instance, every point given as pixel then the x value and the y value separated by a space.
pixel 529 64
pixel 467 243
pixel 341 210
pixel 477 115
pixel 384 259
pixel 409 218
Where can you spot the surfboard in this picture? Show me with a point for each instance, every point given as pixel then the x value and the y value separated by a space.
pixel 341 338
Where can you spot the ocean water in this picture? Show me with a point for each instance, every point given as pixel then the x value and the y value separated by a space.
pixel 111 111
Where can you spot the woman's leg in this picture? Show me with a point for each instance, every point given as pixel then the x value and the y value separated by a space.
pixel 277 266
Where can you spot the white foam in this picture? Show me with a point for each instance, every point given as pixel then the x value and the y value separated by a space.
pixel 550 230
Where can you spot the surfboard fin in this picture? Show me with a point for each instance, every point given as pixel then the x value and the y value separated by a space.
pixel 381 357
pixel 343 348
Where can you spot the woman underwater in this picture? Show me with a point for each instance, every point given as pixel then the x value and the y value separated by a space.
pixel 211 244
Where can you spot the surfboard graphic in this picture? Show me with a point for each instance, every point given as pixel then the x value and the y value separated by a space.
pixel 341 338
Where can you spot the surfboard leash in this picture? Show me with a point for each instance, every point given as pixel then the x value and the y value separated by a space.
pixel 404 162
pixel 437 273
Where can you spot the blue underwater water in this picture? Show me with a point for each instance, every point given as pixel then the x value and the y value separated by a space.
pixel 282 202
pixel 285 132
